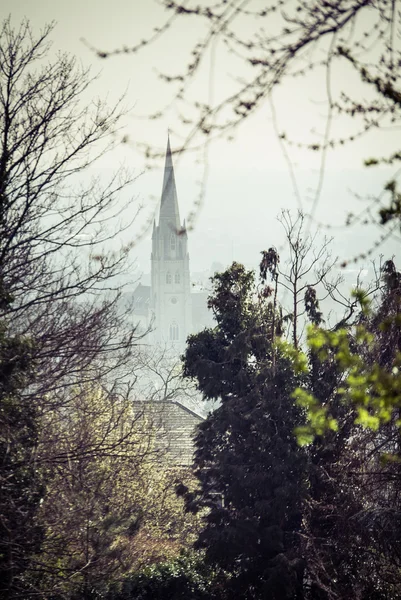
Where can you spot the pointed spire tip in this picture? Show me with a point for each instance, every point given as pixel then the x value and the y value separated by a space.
pixel 169 206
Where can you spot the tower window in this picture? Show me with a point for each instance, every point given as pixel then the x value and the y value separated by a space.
pixel 177 277
pixel 173 241
pixel 174 332
pixel 168 277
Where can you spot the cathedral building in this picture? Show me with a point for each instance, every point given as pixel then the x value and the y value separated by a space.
pixel 167 305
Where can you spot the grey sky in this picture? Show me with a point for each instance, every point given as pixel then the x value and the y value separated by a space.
pixel 248 180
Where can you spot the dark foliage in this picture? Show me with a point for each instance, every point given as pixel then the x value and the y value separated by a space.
pixel 352 549
pixel 251 472
pixel 21 484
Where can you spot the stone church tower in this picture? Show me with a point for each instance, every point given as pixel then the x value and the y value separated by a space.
pixel 170 292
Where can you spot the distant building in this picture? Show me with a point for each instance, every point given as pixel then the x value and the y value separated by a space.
pixel 174 426
pixel 168 305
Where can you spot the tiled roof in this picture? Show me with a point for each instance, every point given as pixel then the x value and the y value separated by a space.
pixel 175 426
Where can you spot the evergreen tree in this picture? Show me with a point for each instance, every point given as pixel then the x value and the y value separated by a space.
pixel 20 480
pixel 250 470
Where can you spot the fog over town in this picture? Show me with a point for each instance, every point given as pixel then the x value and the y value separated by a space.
pixel 247 181
pixel 200 300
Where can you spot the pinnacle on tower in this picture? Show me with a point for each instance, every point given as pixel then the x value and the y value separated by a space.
pixel 169 212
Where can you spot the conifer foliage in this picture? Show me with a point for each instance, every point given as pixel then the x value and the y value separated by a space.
pixel 249 467
pixel 20 481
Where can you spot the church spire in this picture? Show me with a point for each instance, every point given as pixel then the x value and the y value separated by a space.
pixel 169 212
pixel 171 285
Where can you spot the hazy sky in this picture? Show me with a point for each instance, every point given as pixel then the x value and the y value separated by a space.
pixel 248 182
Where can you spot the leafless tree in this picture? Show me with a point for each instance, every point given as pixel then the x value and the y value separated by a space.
pixel 60 262
pixel 305 275
pixel 60 256
pixel 158 372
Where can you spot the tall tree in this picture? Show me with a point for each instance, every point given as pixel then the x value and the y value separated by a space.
pixel 55 220
pixel 251 472
pixel 20 479
pixel 355 463
pixel 21 483
pixel 56 217
pixel 305 275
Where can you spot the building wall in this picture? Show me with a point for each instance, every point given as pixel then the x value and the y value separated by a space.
pixel 171 297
